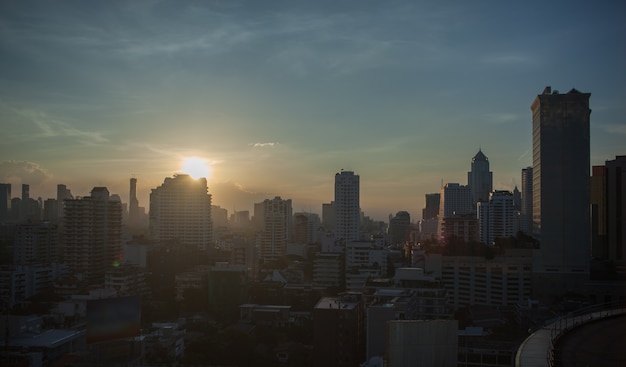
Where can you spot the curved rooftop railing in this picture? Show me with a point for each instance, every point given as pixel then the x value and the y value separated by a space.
pixel 538 349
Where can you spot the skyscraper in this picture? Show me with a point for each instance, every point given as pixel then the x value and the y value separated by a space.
pixel 496 218
pixel 5 202
pixel 456 199
pixel 561 189
pixel 480 179
pixel 133 205
pixel 616 211
pixel 431 210
pixel 92 228
pixel 180 211
pixel 527 201
pixel 277 223
pixel 347 206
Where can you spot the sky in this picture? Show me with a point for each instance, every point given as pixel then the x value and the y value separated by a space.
pixel 278 96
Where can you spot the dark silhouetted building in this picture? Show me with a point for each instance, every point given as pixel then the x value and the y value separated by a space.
pixel 480 179
pixel 561 189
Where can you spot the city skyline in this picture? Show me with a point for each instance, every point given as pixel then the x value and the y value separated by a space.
pixel 277 98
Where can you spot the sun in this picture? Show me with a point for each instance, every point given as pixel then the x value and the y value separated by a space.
pixel 196 167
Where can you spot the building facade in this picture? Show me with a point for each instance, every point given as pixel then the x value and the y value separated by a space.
pixel 277 228
pixel 480 179
pixel 347 206
pixel 180 211
pixel 496 218
pixel 526 222
pixel 561 185
pixel 92 233
pixel 456 200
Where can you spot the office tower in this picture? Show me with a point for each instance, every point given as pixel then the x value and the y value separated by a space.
pixel 456 200
pixel 133 205
pixel 328 216
pixel 431 210
pixel 5 202
pixel 608 196
pixel 277 222
pixel 496 218
pixel 599 249
pixel 35 243
pixel 92 228
pixel 62 194
pixel 517 199
pixel 480 179
pixel 219 216
pixel 399 228
pixel 527 201
pixel 561 189
pixel 180 212
pixel 305 228
pixel 347 206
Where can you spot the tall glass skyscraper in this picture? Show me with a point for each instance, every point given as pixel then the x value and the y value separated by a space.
pixel 561 188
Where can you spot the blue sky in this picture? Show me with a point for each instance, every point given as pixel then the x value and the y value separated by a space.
pixel 278 96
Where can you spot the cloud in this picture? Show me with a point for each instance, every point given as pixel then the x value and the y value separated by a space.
pixel 263 145
pixel 501 118
pixel 24 172
pixel 614 128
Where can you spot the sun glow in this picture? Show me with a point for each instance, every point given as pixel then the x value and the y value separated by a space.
pixel 196 167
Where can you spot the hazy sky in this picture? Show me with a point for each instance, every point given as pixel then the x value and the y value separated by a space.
pixel 278 96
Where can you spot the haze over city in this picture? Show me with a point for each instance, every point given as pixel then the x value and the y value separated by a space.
pixel 275 97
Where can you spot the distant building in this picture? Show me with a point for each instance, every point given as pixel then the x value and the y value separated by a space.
pixel 431 210
pixel 460 226
pixel 219 216
pixel 328 216
pixel 5 202
pixel 526 224
pixel 306 228
pixel 35 243
pixel 92 233
pixel 496 217
pixel 127 280
pixel 277 226
pixel 608 199
pixel 456 199
pixel 364 260
pixel 480 179
pixel 399 228
pixel 329 270
pixel 561 190
pixel 347 206
pixel 180 211
pixel 63 193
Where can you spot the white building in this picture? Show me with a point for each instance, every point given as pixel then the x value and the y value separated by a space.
pixel 496 218
pixel 364 260
pixel 347 206
pixel 277 227
pixel 180 210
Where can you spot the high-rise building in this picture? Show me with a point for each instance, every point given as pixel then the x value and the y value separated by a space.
pixel 616 212
pixel 63 193
pixel 180 211
pixel 277 223
pixel 306 227
pixel 456 200
pixel 35 243
pixel 328 215
pixel 431 210
pixel 133 205
pixel 496 218
pixel 92 228
pixel 5 202
pixel 561 189
pixel 480 179
pixel 526 224
pixel 347 206
pixel 399 228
